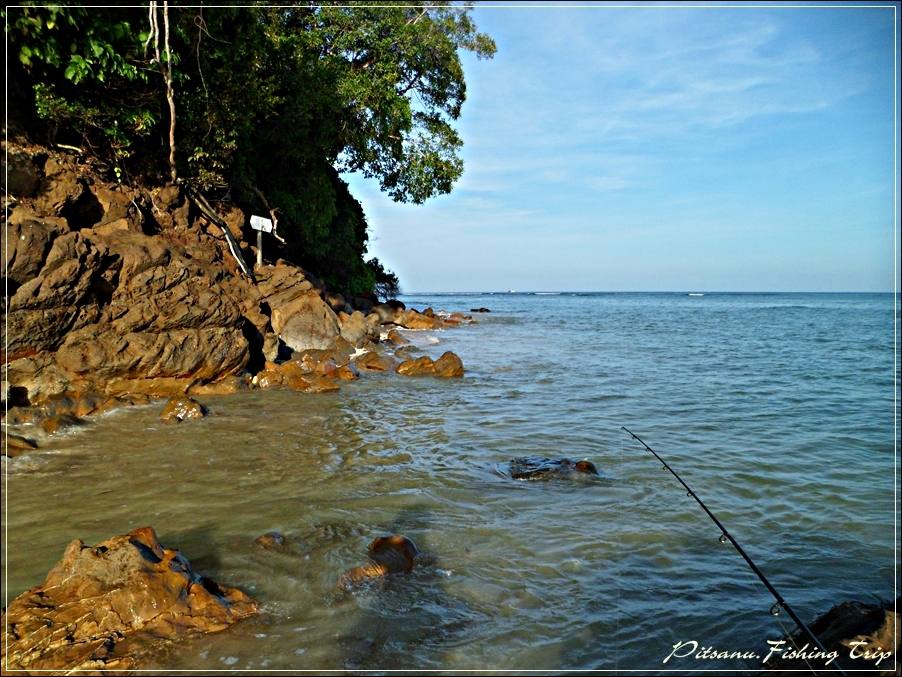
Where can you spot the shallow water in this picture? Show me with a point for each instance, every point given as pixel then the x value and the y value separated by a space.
pixel 778 409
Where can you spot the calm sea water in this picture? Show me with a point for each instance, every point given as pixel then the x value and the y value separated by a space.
pixel 778 409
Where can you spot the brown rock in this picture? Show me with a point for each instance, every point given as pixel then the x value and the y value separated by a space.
pixel 347 372
pixel 411 319
pixel 110 606
pixel 394 336
pixel 179 409
pixel 269 378
pixel 59 188
pixel 373 361
pixel 421 366
pixel 15 445
pixel 226 386
pixel 60 422
pixel 28 240
pixel 388 555
pixel 305 322
pixel 22 173
pixel 271 540
pixel 449 365
pixel 354 327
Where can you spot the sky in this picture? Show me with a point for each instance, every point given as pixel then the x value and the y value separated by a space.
pixel 663 149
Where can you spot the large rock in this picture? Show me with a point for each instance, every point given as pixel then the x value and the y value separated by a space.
pixel 411 319
pixel 306 322
pixel 420 366
pixel 109 606
pixel 449 365
pixel 356 329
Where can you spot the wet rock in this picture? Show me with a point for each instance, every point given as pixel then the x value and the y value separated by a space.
pixel 480 310
pixel 429 312
pixel 868 629
pixel 411 319
pixel 388 555
pixel 272 540
pixel 111 606
pixel 536 468
pixel 347 372
pixel 15 445
pixel 373 361
pixel 180 409
pixel 226 386
pixel 449 365
pixel 394 336
pixel 60 423
pixel 406 352
pixel 420 366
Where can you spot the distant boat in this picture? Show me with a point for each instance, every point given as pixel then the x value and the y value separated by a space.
pixel 695 293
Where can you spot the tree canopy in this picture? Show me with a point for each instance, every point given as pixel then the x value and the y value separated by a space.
pixel 271 101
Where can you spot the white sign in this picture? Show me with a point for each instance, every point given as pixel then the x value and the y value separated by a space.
pixel 259 223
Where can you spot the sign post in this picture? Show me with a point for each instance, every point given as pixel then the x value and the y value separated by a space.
pixel 261 225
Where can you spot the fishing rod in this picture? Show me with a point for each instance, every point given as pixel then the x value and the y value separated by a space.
pixel 754 567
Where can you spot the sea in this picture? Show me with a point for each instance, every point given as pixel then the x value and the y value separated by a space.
pixel 780 411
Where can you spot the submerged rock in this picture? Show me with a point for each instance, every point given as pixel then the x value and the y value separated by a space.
pixel 480 310
pixel 272 540
pixel 110 606
pixel 14 445
pixel 388 555
pixel 178 409
pixel 537 468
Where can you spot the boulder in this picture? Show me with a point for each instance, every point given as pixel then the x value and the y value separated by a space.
pixel 394 336
pixel 305 322
pixel 354 327
pixel 14 444
pixel 373 361
pixel 114 605
pixel 411 319
pixel 449 365
pixel 180 409
pixel 420 366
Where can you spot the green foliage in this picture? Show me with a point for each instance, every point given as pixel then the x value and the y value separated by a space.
pixel 275 99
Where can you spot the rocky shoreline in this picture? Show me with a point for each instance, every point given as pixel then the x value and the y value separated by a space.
pixel 121 295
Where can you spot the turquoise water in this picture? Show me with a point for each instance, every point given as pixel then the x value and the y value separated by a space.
pixel 778 409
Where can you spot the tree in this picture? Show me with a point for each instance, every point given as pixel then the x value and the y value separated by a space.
pixel 274 101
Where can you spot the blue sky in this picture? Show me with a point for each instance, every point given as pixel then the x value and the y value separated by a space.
pixel 663 149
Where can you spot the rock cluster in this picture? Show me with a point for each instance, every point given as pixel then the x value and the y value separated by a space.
pixel 119 294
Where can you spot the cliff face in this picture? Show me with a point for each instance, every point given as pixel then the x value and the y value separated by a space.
pixel 123 290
